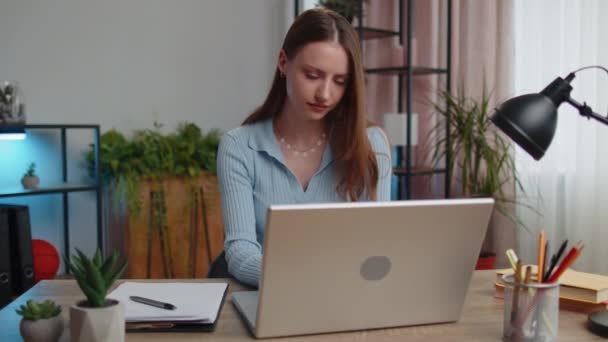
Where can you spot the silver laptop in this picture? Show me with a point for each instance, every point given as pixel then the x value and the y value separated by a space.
pixel 353 266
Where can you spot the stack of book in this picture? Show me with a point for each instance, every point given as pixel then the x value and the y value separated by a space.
pixel 578 291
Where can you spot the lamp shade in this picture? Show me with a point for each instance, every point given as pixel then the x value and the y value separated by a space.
pixel 529 120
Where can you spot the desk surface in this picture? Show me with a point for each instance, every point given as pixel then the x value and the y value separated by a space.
pixel 481 319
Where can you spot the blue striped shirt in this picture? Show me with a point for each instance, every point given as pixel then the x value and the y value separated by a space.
pixel 252 175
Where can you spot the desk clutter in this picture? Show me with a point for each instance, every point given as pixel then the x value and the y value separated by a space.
pixel 578 291
pixel 534 294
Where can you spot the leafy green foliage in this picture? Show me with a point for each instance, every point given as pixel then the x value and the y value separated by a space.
pixel 480 156
pixel 96 275
pixel 153 155
pixel 33 311
pixel 346 8
pixel 31 170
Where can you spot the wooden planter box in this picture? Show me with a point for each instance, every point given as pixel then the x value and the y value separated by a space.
pixel 194 229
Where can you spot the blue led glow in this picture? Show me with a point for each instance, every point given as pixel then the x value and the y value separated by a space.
pixel 12 136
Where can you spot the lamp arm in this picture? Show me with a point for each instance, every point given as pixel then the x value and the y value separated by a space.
pixel 586 111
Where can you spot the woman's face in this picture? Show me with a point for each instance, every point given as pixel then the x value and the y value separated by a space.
pixel 316 78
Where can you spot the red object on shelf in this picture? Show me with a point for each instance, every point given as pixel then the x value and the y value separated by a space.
pixel 46 260
pixel 486 261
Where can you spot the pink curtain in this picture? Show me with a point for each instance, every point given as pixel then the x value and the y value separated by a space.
pixel 482 48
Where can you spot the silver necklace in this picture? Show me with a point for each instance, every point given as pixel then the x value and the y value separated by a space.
pixel 303 152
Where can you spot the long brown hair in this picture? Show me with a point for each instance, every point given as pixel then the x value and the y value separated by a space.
pixel 356 164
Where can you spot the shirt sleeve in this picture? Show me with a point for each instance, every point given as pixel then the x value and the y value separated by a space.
pixel 382 149
pixel 243 252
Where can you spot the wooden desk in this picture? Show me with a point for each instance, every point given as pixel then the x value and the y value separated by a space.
pixel 481 320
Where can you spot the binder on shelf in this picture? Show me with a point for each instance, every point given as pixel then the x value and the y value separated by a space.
pixel 22 260
pixel 6 290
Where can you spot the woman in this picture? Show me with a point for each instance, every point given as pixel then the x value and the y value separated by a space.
pixel 309 142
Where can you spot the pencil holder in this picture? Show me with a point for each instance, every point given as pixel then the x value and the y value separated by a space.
pixel 531 311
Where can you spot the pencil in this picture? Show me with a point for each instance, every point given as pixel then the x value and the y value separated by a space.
pixel 541 257
pixel 528 275
pixel 515 304
pixel 545 263
pixel 512 258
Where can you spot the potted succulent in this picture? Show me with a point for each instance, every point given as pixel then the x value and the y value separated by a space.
pixel 96 319
pixel 480 158
pixel 41 322
pixel 30 180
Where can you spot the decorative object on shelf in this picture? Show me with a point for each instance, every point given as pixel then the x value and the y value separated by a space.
pixel 530 121
pixel 12 106
pixel 96 319
pixel 12 111
pixel 349 9
pixel 41 322
pixel 395 126
pixel 172 211
pixel 46 260
pixel 30 180
pixel 480 160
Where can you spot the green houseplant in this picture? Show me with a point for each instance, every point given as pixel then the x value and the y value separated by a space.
pixel 349 9
pixel 97 318
pixel 147 170
pixel 30 180
pixel 41 322
pixel 153 155
pixel 480 159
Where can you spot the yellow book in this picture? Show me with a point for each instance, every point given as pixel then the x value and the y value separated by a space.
pixel 565 303
pixel 574 284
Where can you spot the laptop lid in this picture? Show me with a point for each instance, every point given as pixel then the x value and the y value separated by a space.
pixel 351 266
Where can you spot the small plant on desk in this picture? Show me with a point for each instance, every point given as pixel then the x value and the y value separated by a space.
pixel 96 318
pixel 30 180
pixel 42 322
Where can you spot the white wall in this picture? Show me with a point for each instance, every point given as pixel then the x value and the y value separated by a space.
pixel 125 64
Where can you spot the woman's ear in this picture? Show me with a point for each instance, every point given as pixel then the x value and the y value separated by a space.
pixel 282 64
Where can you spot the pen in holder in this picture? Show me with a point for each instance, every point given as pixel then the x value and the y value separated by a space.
pixel 531 311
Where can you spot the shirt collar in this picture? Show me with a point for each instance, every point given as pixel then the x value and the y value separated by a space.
pixel 263 139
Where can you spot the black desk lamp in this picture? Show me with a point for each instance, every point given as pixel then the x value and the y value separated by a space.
pixel 530 121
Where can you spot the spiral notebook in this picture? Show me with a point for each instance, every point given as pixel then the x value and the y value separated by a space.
pixel 197 305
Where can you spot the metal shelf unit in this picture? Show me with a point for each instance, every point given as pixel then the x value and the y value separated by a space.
pixel 65 187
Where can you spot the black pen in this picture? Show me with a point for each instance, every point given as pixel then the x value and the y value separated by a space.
pixel 153 302
pixel 555 259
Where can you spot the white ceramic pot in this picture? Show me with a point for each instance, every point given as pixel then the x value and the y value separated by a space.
pixel 30 182
pixel 42 330
pixel 105 324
